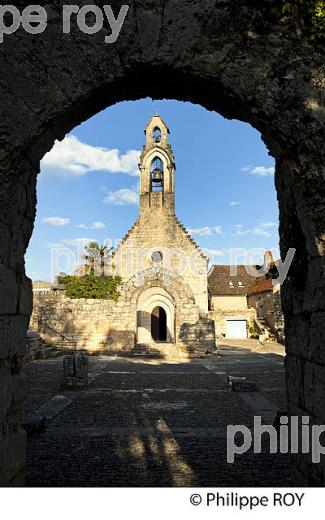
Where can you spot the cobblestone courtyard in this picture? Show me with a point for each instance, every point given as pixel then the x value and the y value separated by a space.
pixel 154 423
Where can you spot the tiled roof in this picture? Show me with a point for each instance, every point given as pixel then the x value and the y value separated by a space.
pixel 221 283
pixel 263 285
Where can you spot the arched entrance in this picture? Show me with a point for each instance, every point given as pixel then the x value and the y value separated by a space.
pixel 155 317
pixel 237 60
pixel 159 324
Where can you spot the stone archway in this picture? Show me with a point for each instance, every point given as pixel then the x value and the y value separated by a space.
pixel 149 301
pixel 227 56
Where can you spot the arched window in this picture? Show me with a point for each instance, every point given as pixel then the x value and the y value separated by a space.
pixel 156 135
pixel 157 175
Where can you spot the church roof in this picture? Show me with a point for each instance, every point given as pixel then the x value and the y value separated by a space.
pixel 222 283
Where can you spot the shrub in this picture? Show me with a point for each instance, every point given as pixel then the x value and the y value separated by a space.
pixel 92 287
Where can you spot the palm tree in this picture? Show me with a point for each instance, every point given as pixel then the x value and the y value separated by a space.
pixel 94 250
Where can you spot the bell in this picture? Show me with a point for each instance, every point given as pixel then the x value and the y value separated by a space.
pixel 157 176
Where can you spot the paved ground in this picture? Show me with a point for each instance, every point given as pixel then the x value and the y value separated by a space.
pixel 154 423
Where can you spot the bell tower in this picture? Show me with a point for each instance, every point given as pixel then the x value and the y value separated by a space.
pixel 157 169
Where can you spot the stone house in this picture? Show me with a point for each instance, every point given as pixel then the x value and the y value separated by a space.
pixel 265 298
pixel 228 288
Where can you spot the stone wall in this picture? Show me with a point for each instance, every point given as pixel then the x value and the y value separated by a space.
pixel 235 58
pixel 15 307
pixel 105 326
pixel 268 306
pixel 228 303
pixel 61 319
pixel 278 316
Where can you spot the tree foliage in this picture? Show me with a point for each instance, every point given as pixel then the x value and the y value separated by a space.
pixel 97 258
pixel 92 287
pixel 311 15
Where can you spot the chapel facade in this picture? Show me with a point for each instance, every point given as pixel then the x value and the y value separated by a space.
pixel 165 292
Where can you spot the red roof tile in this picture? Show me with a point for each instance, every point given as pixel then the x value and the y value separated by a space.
pixel 263 285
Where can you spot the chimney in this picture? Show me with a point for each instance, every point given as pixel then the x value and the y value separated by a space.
pixel 268 259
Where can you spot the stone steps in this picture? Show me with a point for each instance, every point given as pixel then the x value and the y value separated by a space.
pixel 50 352
pixel 145 351
pixel 159 350
pixel 54 350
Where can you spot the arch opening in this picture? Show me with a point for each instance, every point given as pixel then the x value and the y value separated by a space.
pixel 271 94
pixel 159 324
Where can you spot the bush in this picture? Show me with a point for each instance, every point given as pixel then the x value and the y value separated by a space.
pixel 92 287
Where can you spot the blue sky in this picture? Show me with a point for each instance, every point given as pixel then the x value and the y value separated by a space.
pixel 88 186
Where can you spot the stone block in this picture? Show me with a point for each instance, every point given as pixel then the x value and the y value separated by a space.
pixel 13 458
pixel 295 375
pixel 241 384
pixel 4 336
pixel 75 372
pixel 18 335
pixel 314 390
pixel 81 366
pixel 25 301
pixel 8 291
pixel 68 366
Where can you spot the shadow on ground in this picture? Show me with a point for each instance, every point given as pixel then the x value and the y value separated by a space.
pixel 154 423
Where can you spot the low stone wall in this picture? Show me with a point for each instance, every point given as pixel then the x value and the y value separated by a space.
pixel 60 319
pixel 106 326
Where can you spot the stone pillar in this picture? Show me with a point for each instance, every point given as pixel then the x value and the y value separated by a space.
pixel 302 226
pixel 17 208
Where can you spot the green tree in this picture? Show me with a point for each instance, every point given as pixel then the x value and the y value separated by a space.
pixel 96 256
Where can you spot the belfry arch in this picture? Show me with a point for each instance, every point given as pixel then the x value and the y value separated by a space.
pixel 228 60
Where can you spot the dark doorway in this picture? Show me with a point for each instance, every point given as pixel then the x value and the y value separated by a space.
pixel 159 324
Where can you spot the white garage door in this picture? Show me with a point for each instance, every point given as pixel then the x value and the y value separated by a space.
pixel 236 329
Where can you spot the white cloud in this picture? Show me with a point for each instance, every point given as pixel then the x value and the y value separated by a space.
pixel 259 171
pixel 123 197
pixel 213 252
pixel 268 224
pixel 234 203
pixel 206 231
pixel 240 230
pixel 52 245
pixel 261 231
pixel 95 225
pixel 56 221
pixel 76 242
pixel 71 157
pixel 98 225
pixel 257 230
